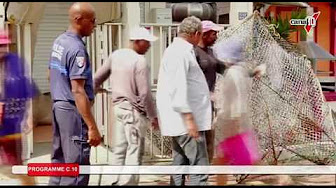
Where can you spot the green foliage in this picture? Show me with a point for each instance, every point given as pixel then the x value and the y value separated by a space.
pixel 283 26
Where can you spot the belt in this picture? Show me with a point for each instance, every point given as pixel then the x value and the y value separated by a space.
pixel 71 102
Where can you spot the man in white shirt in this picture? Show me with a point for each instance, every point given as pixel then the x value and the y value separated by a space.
pixel 183 101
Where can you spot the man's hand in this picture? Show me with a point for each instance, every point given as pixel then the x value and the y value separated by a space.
pixel 84 108
pixel 155 123
pixel 191 125
pixel 259 71
pixel 94 137
pixel 192 129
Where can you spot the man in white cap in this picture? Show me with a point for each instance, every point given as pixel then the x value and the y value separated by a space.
pixel 210 66
pixel 132 101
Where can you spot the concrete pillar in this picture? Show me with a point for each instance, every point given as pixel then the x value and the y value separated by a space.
pixel 130 19
pixel 2 16
pixel 28 58
pixel 159 45
pixel 239 11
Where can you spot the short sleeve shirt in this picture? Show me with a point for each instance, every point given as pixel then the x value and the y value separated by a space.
pixel 69 60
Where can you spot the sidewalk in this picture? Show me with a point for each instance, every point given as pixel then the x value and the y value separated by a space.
pixel 42 154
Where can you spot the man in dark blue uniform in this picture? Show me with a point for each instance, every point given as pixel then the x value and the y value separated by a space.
pixel 74 128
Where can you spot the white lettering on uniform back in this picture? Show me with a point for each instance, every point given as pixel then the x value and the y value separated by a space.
pixel 57 51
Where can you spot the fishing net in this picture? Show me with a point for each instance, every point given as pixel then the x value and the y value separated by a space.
pixel 287 107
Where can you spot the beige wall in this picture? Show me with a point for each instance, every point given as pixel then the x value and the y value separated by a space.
pixel 236 7
pixel 107 11
pixel 223 8
pixel 149 7
pixel 32 12
pixel 21 13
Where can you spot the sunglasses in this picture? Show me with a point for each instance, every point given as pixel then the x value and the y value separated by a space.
pixel 93 20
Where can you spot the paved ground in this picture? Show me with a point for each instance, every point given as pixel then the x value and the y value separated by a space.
pixel 42 151
pixel 42 154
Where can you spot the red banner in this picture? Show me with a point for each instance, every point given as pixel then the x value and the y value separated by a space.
pixel 53 169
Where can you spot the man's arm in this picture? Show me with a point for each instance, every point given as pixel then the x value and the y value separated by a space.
pixel 28 123
pixel 48 75
pixel 143 87
pixel 179 95
pixel 84 108
pixel 102 74
pixel 220 67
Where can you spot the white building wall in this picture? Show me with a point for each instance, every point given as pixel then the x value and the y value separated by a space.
pixel 2 15
pixel 130 18
pixel 239 7
pixel 147 11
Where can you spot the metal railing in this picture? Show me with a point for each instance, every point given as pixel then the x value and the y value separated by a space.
pixel 165 34
pixel 104 40
pixel 107 38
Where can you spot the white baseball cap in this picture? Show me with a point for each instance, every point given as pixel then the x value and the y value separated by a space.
pixel 141 33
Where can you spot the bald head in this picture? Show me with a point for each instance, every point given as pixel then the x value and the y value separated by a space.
pixel 80 9
pixel 81 15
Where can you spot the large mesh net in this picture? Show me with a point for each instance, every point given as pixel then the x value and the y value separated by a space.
pixel 288 109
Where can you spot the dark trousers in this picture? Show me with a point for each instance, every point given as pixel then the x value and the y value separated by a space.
pixel 189 151
pixel 210 139
pixel 68 129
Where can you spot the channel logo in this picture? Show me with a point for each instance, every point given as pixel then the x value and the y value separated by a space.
pixel 309 22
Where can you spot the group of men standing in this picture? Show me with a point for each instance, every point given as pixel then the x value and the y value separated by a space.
pixel 184 111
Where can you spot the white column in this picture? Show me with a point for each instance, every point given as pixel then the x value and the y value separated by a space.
pixel 2 15
pixel 130 18
pixel 28 58
pixel 238 10
pixel 159 45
